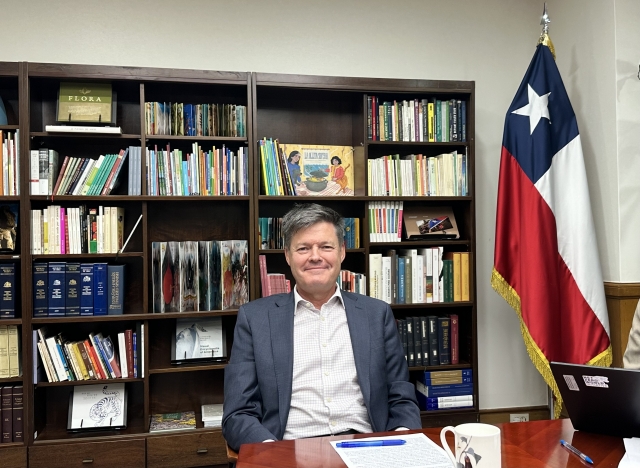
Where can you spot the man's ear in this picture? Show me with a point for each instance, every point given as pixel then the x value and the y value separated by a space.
pixel 286 256
pixel 343 252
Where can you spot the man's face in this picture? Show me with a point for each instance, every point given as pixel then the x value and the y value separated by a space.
pixel 315 256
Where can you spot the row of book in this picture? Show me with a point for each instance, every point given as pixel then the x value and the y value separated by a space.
pixel 177 118
pixel 276 176
pixel 438 390
pixel 59 230
pixel 428 120
pixel 211 416
pixel 94 358
pixel 8 288
pixel 12 414
pixel 352 282
pixel 272 283
pixel 430 340
pixel 10 162
pixel 199 275
pixel 207 173
pixel 385 221
pixel 418 175
pixel 10 362
pixel 271 237
pixel 416 276
pixel 70 289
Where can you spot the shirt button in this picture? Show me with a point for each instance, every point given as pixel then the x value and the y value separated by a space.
pixel 328 400
pixel 326 373
pixel 333 423
pixel 322 318
pixel 324 345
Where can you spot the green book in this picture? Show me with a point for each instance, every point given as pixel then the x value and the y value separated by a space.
pixel 101 176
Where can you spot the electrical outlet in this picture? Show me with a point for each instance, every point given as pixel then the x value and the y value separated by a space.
pixel 518 417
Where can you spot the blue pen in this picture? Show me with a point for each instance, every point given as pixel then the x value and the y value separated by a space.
pixel 370 443
pixel 571 448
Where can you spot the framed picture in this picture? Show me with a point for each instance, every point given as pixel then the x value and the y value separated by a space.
pixel 102 406
pixel 86 103
pixel 8 227
pixel 199 339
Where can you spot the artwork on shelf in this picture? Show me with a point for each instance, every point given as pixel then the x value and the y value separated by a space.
pixel 430 222
pixel 198 339
pixel 98 407
pixel 8 227
pixel 90 103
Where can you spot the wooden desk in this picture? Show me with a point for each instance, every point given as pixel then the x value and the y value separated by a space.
pixel 533 444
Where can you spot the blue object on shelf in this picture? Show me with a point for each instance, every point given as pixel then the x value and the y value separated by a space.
pixel 3 114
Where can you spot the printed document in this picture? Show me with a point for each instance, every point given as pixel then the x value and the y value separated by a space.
pixel 418 452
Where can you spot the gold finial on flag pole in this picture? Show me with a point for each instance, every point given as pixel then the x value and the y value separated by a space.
pixel 544 36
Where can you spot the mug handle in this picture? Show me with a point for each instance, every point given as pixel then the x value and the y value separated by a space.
pixel 445 445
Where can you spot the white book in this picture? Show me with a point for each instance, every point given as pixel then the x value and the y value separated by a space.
pixel 420 292
pixel 15 368
pixel 386 280
pixel 34 173
pixel 4 352
pixel 122 350
pixel 212 412
pixel 52 346
pixel 106 229
pixel 46 362
pixel 72 362
pixel 375 275
pixel 113 229
pixel 100 229
pixel 436 273
pixel 82 129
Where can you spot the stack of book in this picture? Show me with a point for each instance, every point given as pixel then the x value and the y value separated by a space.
pixel 431 340
pixel 271 235
pixel 199 275
pixel 11 414
pixel 10 362
pixel 438 390
pixel 164 422
pixel 352 282
pixel 59 230
pixel 415 276
pixel 385 221
pixel 206 173
pixel 212 415
pixel 272 283
pixel 10 163
pixel 78 176
pixel 418 175
pixel 177 118
pixel 429 120
pixel 69 288
pixel 95 358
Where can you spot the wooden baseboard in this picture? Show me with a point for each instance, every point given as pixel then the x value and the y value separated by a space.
pixel 622 299
pixel 501 415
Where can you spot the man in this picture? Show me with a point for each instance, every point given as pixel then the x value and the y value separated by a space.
pixel 317 361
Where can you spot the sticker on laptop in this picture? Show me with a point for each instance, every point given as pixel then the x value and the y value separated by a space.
pixel 596 381
pixel 571 383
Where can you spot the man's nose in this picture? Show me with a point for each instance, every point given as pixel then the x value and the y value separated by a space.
pixel 315 253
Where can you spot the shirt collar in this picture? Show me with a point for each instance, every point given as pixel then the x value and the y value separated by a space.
pixel 297 298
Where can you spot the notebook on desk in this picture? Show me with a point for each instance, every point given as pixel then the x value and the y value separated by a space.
pixel 603 400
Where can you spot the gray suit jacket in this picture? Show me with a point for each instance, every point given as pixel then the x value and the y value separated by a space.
pixel 631 359
pixel 258 378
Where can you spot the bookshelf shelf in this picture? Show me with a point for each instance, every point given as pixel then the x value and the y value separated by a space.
pixel 104 136
pixel 9 127
pixel 89 319
pixel 419 143
pixel 10 380
pixel 222 139
pixel 13 321
pixel 74 383
pixel 202 313
pixel 87 255
pixel 188 368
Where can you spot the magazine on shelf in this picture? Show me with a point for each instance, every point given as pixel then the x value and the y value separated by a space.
pixel 198 340
pixel 101 406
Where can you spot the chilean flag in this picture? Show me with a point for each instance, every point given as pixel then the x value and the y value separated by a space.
pixel 546 263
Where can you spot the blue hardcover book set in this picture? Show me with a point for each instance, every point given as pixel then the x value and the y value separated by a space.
pixel 8 300
pixel 71 289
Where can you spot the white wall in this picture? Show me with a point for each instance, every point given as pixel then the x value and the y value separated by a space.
pixel 489 41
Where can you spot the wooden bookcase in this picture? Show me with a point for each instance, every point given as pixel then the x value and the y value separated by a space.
pixel 292 108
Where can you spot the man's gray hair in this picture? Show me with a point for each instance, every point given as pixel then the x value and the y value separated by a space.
pixel 305 215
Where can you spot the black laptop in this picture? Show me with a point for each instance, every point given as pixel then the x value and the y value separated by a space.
pixel 603 400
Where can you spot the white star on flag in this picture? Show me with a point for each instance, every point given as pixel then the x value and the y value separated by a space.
pixel 536 109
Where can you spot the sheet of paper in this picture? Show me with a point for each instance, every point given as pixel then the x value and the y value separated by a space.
pixel 418 452
pixel 632 457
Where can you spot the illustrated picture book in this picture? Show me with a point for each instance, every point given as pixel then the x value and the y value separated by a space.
pixel 320 170
pixel 98 407
pixel 172 421
pixel 430 222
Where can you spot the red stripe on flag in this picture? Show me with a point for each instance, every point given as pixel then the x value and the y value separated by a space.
pixel 558 318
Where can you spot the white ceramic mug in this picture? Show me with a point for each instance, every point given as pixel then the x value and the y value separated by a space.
pixel 477 445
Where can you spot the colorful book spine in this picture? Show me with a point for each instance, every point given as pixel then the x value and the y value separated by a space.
pixel 115 288
pixel 56 296
pixel 72 289
pixel 99 289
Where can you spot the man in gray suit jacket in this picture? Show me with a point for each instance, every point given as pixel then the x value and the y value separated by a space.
pixel 316 361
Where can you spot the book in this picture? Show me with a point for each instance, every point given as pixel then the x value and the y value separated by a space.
pixel 8 281
pixel 115 289
pixel 430 222
pixel 198 339
pixel 72 289
pixel 56 297
pixel 18 413
pixel 4 352
pixel 240 270
pixel 158 265
pixel 13 352
pixel 171 285
pixel 173 421
pixel 98 406
pixel 6 405
pixel 204 272
pixel 100 289
pixel 82 129
pixel 188 253
pixel 444 340
pixel 320 170
pixel 212 415
pixel 87 288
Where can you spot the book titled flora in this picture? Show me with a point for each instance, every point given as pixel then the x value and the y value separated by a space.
pixel 320 170
pixel 198 339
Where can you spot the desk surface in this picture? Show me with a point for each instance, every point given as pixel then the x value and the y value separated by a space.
pixel 533 444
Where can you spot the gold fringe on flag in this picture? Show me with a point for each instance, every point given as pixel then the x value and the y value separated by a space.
pixel 541 363
pixel 545 40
